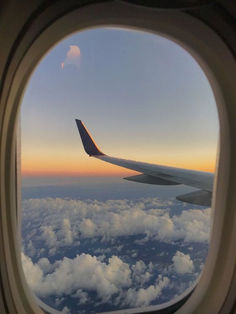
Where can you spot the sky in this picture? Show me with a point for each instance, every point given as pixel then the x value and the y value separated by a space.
pixel 141 96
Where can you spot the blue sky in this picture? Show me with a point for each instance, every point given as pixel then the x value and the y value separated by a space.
pixel 141 96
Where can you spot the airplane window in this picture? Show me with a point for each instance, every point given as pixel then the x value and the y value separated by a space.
pixel 119 134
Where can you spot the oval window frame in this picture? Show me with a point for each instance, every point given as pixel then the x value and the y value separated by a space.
pixel 35 40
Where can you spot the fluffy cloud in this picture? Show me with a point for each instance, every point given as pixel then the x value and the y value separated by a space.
pixel 64 222
pixel 182 263
pixel 65 310
pixel 65 232
pixel 128 228
pixel 86 272
pixel 82 296
pixel 83 272
pixel 33 272
pixel 193 225
pixel 72 56
pixel 143 297
pixel 44 264
pixel 141 273
pixel 49 235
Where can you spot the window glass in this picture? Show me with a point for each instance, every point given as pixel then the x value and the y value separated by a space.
pixel 92 241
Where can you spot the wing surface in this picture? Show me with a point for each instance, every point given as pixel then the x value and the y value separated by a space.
pixel 156 174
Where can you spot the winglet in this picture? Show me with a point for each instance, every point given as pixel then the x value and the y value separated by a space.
pixel 89 145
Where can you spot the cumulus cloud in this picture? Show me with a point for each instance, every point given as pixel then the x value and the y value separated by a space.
pixel 49 235
pixel 182 263
pixel 72 57
pixel 193 225
pixel 143 297
pixel 82 296
pixel 86 273
pixel 65 232
pixel 141 272
pixel 65 310
pixel 33 272
pixel 64 222
pixel 83 272
pixel 87 228
pixel 102 228
pixel 44 264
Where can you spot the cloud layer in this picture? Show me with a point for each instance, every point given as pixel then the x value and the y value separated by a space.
pixel 86 272
pixel 130 253
pixel 63 221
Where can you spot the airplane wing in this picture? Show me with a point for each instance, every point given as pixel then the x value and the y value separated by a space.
pixel 156 174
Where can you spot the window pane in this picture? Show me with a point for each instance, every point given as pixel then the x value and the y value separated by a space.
pixel 91 241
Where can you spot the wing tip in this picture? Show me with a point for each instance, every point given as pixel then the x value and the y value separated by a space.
pixel 79 123
pixel 89 144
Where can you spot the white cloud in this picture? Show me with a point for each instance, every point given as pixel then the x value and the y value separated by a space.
pixel 64 222
pixel 141 273
pixel 72 56
pixel 33 272
pixel 65 310
pixel 82 296
pixel 49 235
pixel 55 223
pixel 86 273
pixel 66 233
pixel 45 265
pixel 142 297
pixel 82 272
pixel 193 225
pixel 182 263
pixel 87 228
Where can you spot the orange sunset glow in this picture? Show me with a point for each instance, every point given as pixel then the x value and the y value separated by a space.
pixel 89 166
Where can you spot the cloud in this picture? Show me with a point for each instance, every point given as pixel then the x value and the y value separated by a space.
pixel 82 296
pixel 33 272
pixel 56 225
pixel 65 234
pixel 49 235
pixel 83 272
pixel 65 310
pixel 72 57
pixel 45 265
pixel 86 273
pixel 64 222
pixel 141 272
pixel 143 297
pixel 182 263
pixel 87 228
pixel 193 225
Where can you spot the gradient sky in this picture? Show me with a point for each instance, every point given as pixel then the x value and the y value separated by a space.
pixel 141 96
